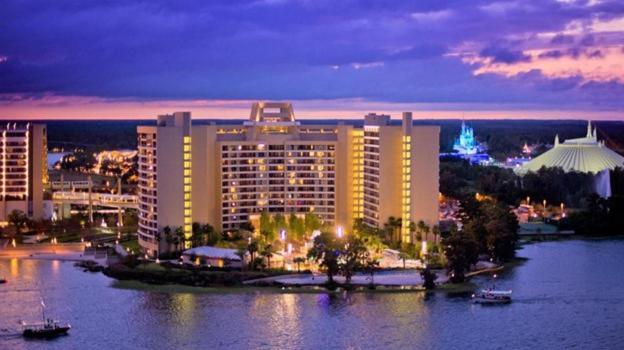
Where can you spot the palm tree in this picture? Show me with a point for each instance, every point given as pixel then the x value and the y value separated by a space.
pixel 241 252
pixel 404 257
pixel 158 239
pixel 423 230
pixel 168 238
pixel 391 226
pixel 371 266
pixel 252 248
pixel 179 232
pixel 436 233
pixel 197 237
pixel 267 252
pixel 299 260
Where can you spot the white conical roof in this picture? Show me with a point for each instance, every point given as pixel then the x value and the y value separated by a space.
pixel 586 155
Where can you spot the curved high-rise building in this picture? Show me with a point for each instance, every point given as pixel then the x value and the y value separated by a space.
pixel 228 174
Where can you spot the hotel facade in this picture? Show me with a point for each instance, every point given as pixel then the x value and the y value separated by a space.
pixel 227 175
pixel 23 169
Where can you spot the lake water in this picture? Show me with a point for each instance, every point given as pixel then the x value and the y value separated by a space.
pixel 569 294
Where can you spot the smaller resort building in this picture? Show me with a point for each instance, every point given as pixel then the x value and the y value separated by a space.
pixel 212 256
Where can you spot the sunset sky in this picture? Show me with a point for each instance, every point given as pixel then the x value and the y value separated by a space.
pixel 336 59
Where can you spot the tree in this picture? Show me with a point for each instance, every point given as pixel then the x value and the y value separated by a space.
pixel 267 230
pixel 461 252
pixel 241 253
pixel 392 229
pixel 279 223
pixel 158 239
pixel 168 237
pixel 18 219
pixel 371 266
pixel 422 230
pixel 436 233
pixel 247 226
pixel 267 252
pixel 311 223
pixel 299 260
pixel 252 248
pixel 296 227
pixel 326 251
pixel 428 277
pixel 198 236
pixel 403 256
pixel 353 257
pixel 179 238
pixel 211 235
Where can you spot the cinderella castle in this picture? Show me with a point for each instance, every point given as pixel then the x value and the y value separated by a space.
pixel 466 144
pixel 466 147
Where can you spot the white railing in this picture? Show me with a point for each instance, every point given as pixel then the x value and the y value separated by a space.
pixel 103 199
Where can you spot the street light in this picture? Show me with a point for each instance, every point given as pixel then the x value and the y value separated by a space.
pixel 339 231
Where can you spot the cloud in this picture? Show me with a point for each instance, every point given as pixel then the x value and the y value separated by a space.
pixel 469 51
pixel 500 54
pixel 562 39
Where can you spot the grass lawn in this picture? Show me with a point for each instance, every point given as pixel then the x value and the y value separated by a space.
pixel 132 244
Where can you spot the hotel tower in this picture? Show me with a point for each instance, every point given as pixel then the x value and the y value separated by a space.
pixel 23 169
pixel 227 175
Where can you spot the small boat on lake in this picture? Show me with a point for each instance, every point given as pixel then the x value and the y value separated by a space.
pixel 46 329
pixel 492 296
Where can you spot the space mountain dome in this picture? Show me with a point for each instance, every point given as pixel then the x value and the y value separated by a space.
pixel 585 155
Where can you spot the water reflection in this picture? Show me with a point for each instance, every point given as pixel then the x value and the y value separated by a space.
pixel 14 267
pixel 553 304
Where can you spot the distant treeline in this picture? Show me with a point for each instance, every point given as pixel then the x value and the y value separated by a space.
pixel 504 137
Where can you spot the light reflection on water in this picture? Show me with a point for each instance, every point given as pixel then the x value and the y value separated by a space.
pixel 569 294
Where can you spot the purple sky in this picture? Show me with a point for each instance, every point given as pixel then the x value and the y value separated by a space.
pixel 466 58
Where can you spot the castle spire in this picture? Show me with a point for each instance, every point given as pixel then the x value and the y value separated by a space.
pixel 589 129
pixel 556 140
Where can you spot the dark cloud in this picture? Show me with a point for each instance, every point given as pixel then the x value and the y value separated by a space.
pixel 552 54
pixel 573 52
pixel 562 39
pixel 225 49
pixel 588 40
pixel 500 54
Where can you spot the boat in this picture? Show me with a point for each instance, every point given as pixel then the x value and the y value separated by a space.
pixel 492 296
pixel 3 280
pixel 46 329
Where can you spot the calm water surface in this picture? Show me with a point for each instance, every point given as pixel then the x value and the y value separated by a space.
pixel 568 295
